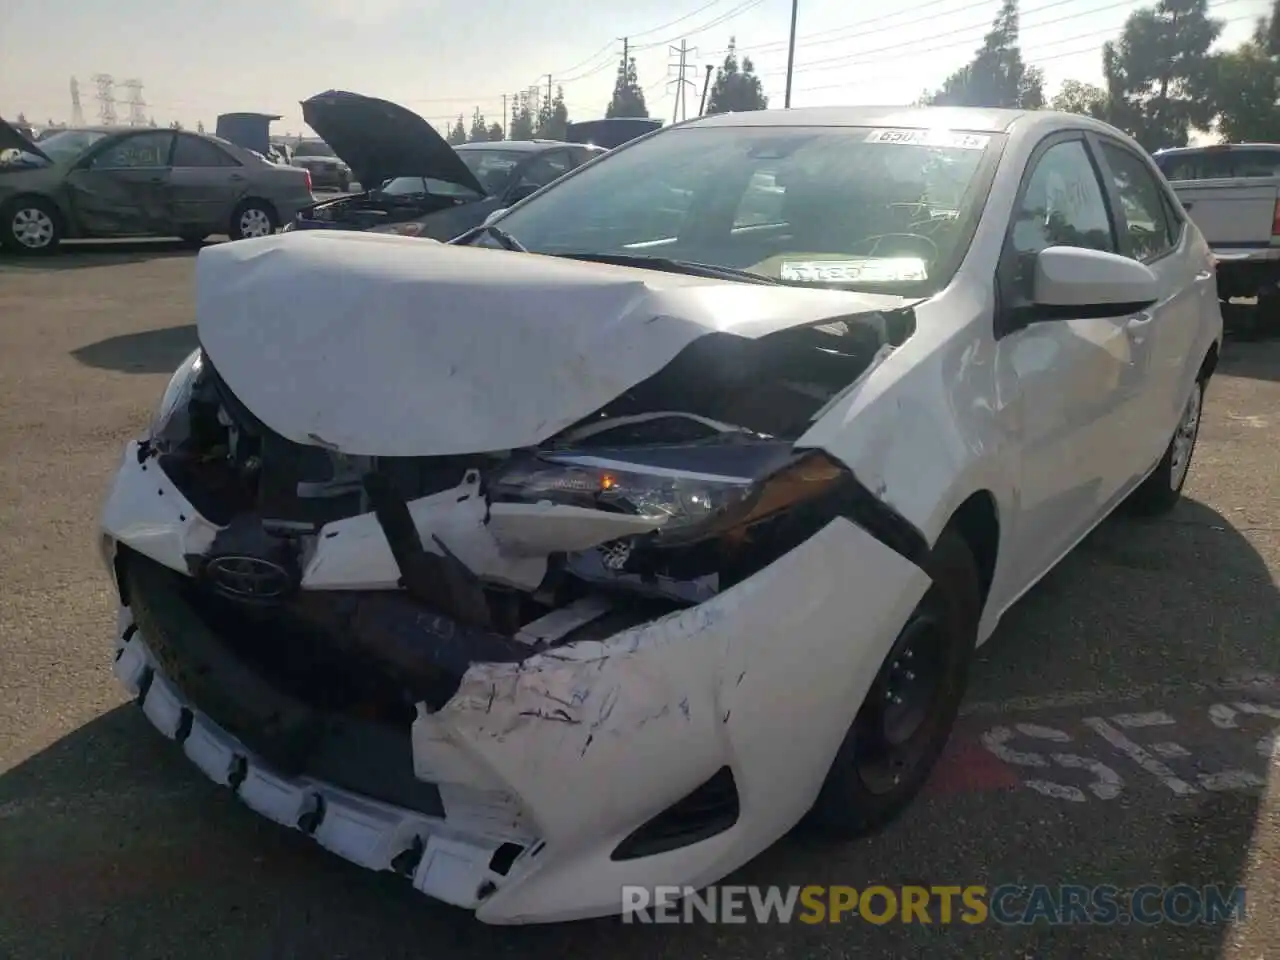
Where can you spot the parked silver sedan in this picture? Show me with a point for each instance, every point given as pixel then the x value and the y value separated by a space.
pixel 130 182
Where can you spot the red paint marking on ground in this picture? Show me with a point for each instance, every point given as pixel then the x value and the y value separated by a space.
pixel 966 766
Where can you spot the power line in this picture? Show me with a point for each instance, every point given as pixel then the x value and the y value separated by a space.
pixel 731 14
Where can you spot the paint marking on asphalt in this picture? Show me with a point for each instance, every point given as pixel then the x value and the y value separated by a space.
pixel 1139 755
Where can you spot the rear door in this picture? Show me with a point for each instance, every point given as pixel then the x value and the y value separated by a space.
pixel 122 189
pixel 205 184
pixel 1162 337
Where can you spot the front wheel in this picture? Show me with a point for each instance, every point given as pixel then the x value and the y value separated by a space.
pixel 30 225
pixel 906 718
pixel 253 218
pixel 1162 490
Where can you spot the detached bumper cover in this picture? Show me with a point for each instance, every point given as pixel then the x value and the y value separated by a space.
pixel 567 753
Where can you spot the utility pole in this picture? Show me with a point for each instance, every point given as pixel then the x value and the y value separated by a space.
pixel 791 54
pixel 548 91
pixel 504 118
pixel 706 84
pixel 682 81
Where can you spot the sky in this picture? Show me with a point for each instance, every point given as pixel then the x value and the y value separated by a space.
pixel 196 58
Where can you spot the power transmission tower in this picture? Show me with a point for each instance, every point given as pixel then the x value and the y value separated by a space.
pixel 106 98
pixel 77 111
pixel 137 106
pixel 681 81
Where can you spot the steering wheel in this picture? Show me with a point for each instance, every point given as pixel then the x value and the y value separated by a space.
pixel 918 238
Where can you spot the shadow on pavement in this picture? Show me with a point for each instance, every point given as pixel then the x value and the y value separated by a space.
pixel 80 254
pixel 110 838
pixel 152 351
pixel 1256 360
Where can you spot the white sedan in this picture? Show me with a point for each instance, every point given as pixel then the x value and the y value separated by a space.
pixel 605 544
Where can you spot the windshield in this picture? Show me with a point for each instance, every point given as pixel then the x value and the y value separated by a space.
pixel 416 186
pixel 850 207
pixel 492 167
pixel 66 144
pixel 313 149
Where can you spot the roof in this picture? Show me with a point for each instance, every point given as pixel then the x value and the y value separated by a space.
pixel 1214 148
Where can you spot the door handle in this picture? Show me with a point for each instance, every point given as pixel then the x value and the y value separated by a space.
pixel 236 176
pixel 1204 275
pixel 1140 321
pixel 157 179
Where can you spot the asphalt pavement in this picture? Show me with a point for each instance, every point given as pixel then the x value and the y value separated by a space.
pixel 1118 730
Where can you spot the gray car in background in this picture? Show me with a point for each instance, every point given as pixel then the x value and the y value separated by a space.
pixel 98 182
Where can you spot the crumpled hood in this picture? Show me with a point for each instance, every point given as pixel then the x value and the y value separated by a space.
pixel 381 345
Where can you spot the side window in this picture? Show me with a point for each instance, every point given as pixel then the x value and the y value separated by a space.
pixel 546 168
pixel 139 150
pixel 1214 165
pixel 194 152
pixel 1143 201
pixel 1255 162
pixel 1063 204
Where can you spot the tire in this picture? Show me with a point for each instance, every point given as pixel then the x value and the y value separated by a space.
pixel 31 226
pixel 253 218
pixel 1162 490
pixel 862 794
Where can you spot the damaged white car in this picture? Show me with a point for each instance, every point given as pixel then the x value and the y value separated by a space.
pixel 608 557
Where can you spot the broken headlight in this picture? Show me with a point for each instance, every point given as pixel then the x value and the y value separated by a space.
pixel 690 491
pixel 177 395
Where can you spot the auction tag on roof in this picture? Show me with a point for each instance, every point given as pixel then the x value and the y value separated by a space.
pixel 931 138
pixel 867 270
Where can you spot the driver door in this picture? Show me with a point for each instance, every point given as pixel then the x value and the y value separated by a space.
pixel 122 189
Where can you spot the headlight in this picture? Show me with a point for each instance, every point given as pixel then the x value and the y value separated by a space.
pixel 177 395
pixel 692 490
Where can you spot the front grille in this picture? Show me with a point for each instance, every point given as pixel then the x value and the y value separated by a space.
pixel 292 698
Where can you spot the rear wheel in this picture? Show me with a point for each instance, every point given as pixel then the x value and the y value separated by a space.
pixel 1162 490
pixel 30 225
pixel 905 720
pixel 253 218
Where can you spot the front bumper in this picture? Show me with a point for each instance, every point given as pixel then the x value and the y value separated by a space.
pixel 565 755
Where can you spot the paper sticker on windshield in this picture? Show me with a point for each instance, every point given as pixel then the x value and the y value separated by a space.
pixel 874 270
pixel 931 138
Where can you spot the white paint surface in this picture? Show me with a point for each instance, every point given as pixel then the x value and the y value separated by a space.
pixel 381 345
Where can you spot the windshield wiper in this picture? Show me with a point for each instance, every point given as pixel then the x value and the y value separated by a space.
pixel 505 240
pixel 690 267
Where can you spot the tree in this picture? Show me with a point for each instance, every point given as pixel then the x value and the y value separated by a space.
pixel 1075 96
pixel 199 127
pixel 1246 84
pixel 479 129
pixel 457 133
pixel 22 119
pixel 175 125
pixel 628 97
pixel 522 120
pixel 997 76
pixel 736 88
pixel 1160 76
pixel 495 131
pixel 553 118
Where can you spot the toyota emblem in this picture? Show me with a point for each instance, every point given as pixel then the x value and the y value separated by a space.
pixel 248 578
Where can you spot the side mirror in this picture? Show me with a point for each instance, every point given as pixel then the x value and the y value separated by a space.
pixel 521 191
pixel 494 216
pixel 1074 282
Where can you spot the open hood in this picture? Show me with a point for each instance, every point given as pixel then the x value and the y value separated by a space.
pixel 11 139
pixel 381 345
pixel 379 140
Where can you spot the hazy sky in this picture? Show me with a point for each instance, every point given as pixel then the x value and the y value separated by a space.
pixel 199 58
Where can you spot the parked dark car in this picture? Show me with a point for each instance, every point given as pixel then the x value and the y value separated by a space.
pixel 418 184
pixel 138 182
pixel 327 169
